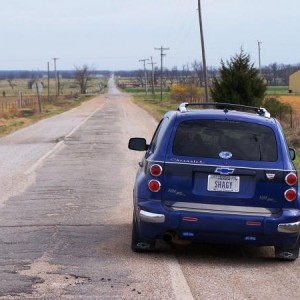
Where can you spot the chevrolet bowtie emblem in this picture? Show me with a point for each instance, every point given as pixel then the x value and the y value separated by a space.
pixel 224 171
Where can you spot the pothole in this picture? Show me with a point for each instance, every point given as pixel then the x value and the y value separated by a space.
pixel 50 281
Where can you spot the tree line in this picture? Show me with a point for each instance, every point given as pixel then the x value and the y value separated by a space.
pixel 274 74
pixel 36 74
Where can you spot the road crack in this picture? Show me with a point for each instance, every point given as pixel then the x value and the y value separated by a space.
pixel 48 279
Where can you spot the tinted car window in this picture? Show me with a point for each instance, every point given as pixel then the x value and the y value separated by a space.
pixel 207 138
pixel 157 134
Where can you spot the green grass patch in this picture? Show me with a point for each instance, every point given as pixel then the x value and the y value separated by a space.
pixel 153 103
pixel 277 90
pixel 297 162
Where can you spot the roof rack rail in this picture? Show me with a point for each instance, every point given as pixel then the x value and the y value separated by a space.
pixel 226 107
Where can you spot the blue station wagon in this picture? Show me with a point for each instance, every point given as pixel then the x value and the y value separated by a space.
pixel 217 173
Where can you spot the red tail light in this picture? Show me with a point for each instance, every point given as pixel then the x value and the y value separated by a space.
pixel 290 195
pixel 154 185
pixel 156 170
pixel 291 179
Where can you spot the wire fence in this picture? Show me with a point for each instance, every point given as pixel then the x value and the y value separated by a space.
pixel 195 99
pixel 10 103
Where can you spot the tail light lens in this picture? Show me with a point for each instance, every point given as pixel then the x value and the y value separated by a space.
pixel 291 179
pixel 290 195
pixel 154 185
pixel 156 170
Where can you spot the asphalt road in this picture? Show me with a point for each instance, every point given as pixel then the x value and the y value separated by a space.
pixel 65 220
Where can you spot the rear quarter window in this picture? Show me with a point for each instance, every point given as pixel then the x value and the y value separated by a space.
pixel 208 138
pixel 158 134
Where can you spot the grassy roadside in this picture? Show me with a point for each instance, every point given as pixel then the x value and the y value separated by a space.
pixel 16 119
pixel 153 104
pixel 158 108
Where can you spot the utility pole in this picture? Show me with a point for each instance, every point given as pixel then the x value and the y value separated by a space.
pixel 152 73
pixel 48 80
pixel 203 52
pixel 146 83
pixel 56 85
pixel 161 49
pixel 259 61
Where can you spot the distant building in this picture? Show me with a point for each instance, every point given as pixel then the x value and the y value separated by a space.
pixel 294 82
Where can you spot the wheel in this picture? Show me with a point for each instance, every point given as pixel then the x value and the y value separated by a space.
pixel 288 254
pixel 139 244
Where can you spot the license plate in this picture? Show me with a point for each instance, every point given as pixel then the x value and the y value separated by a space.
pixel 220 183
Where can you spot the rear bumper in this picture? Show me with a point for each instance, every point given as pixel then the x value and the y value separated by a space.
pixel 150 217
pixel 282 229
pixel 289 227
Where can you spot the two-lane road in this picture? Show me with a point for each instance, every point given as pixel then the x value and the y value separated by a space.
pixel 66 231
pixel 65 220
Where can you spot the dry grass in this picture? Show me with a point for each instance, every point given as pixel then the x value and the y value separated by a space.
pixel 15 119
pixel 294 101
pixel 293 134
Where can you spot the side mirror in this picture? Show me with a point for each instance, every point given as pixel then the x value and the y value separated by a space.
pixel 138 144
pixel 292 153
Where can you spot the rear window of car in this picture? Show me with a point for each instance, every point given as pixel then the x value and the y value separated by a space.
pixel 208 138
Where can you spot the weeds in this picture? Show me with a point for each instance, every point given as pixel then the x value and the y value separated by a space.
pixel 15 118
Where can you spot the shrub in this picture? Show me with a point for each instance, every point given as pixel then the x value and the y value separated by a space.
pixel 26 112
pixel 276 108
pixel 239 82
pixel 182 93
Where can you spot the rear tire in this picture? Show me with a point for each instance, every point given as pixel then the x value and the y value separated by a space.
pixel 139 244
pixel 288 254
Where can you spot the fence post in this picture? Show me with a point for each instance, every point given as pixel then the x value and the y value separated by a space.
pixel 20 99
pixel 38 96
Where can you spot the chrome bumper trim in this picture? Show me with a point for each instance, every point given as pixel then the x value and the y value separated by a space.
pixel 222 209
pixel 289 227
pixel 146 216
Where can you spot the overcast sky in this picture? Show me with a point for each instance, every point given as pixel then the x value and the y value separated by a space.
pixel 116 34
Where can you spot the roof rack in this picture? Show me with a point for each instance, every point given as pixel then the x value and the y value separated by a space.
pixel 226 107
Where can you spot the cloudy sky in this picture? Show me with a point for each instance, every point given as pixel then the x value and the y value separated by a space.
pixel 116 34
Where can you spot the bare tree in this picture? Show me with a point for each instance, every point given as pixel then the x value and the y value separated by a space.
pixel 173 74
pixel 198 69
pixel 11 83
pixel 185 73
pixel 83 75
pixel 140 78
pixel 10 79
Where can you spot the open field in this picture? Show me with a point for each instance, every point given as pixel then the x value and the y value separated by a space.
pixel 19 105
pixel 294 101
pixel 67 86
pixel 277 90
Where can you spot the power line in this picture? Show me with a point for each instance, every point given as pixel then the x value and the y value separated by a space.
pixel 161 49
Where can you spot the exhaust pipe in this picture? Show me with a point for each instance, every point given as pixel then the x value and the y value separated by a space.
pixel 170 237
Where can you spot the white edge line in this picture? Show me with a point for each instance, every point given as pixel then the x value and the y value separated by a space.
pixel 59 144
pixel 41 159
pixel 180 286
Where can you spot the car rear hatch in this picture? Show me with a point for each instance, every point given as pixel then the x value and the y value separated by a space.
pixel 223 166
